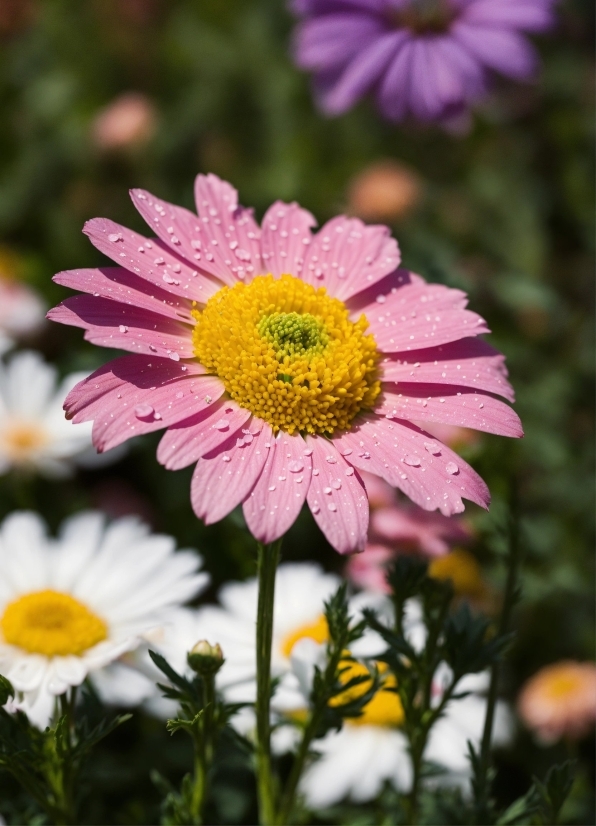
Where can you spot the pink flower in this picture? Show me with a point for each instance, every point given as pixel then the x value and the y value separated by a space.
pixel 282 362
pixel 415 529
pixel 560 700
pixel 127 121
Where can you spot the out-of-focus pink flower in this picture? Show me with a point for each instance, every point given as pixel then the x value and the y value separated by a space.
pixel 453 435
pixel 369 569
pixel 560 701
pixel 380 493
pixel 128 121
pixel 384 191
pixel 282 362
pixel 414 529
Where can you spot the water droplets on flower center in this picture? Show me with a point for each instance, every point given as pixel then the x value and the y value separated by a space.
pixel 289 353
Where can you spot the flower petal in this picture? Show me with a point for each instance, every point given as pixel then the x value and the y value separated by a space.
pixel 151 259
pixel 134 395
pixel 224 477
pixel 421 315
pixel 337 498
pixel 277 498
pixel 188 440
pixel 430 474
pixel 458 406
pixel 285 238
pixel 229 233
pixel 501 49
pixel 469 362
pixel 347 256
pixel 127 288
pixel 332 40
pixel 111 324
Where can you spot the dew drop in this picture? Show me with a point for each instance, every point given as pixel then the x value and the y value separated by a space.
pixel 143 411
pixel 332 507
pixel 123 328
pixel 331 459
pixel 174 356
pixel 349 471
pixel 336 484
pixel 433 448
pixel 115 236
pixel 295 466
pixel 413 461
pixel 222 424
pixel 451 468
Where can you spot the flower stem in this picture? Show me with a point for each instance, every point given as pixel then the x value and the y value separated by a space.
pixel 203 743
pixel 268 556
pixel 510 599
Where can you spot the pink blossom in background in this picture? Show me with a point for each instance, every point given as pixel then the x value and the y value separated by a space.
pixel 411 349
pixel 429 59
pixel 128 121
pixel 560 701
pixel 412 528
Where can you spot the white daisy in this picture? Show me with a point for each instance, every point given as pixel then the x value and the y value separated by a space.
pixel 22 311
pixel 71 605
pixel 34 433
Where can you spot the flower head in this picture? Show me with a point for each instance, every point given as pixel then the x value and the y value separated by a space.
pixel 128 121
pixel 428 59
pixel 560 701
pixel 34 436
pixel 70 606
pixel 282 362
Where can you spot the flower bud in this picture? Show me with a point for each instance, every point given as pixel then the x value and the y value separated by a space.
pixel 205 658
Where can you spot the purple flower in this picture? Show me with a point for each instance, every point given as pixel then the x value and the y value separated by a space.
pixel 428 59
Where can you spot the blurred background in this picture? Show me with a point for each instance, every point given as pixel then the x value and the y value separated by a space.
pixel 97 96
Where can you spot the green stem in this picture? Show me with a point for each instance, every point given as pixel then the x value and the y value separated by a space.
pixel 268 557
pixel 509 600
pixel 203 742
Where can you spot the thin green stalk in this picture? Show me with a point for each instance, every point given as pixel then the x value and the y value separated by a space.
pixel 268 556
pixel 203 742
pixel 509 600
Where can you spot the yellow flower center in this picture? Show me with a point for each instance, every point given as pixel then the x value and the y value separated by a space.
pixel 562 683
pixel 52 624
pixel 385 708
pixel 317 631
pixel 19 440
pixel 289 353
pixel 462 569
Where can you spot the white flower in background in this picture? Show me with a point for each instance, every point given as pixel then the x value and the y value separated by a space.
pixel 35 436
pixel 22 311
pixel 71 605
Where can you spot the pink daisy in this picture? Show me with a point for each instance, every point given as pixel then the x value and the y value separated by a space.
pixel 282 362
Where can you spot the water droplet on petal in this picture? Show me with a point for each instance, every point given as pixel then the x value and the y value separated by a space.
pixel 433 448
pixel 327 491
pixel 143 411
pixel 336 484
pixel 115 236
pixel 331 459
pixel 222 424
pixel 451 468
pixel 332 506
pixel 295 466
pixel 349 471
pixel 226 458
pixel 174 356
pixel 123 328
pixel 413 461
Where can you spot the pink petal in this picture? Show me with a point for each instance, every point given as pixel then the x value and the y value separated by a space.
pixel 368 570
pixel 229 233
pixel 469 362
pixel 430 474
pixel 382 290
pixel 134 395
pixel 111 324
pixel 224 477
pixel 346 257
pixel 276 499
pixel 431 532
pixel 337 498
pixel 420 315
pixel 285 238
pixel 185 442
pixel 122 285
pixel 151 259
pixel 449 405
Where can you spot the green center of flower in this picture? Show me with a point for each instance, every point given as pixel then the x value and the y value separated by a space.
pixel 294 334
